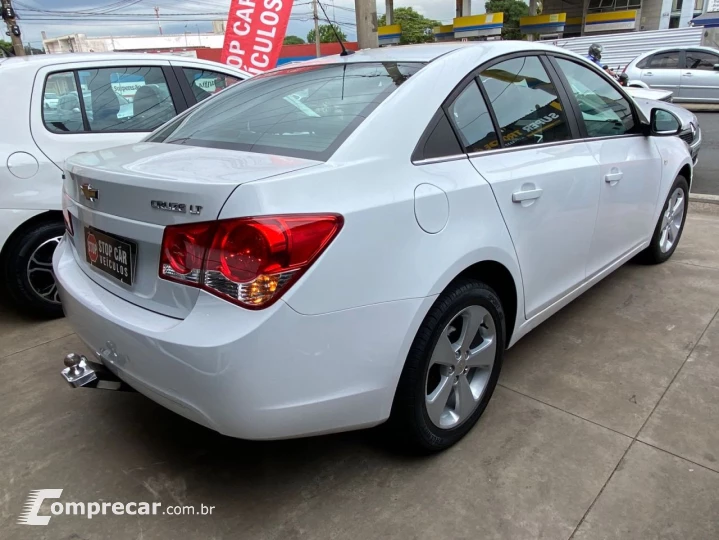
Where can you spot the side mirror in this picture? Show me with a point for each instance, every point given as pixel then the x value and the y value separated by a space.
pixel 716 67
pixel 663 123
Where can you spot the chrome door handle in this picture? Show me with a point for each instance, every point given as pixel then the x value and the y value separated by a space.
pixel 613 178
pixel 519 196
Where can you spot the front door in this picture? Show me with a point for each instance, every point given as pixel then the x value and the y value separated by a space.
pixel 630 166
pixel 544 180
pixel 700 78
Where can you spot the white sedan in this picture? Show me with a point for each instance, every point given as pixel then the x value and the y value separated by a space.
pixel 56 105
pixel 358 239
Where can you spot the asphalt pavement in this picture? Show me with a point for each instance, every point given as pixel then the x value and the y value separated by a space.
pixel 706 175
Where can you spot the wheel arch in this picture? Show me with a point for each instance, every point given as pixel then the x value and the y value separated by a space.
pixel 686 172
pixel 500 279
pixel 42 217
pixel 637 84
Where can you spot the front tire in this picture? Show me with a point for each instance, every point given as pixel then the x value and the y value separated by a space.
pixel 670 225
pixel 451 370
pixel 27 267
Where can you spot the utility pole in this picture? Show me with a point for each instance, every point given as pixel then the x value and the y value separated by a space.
pixel 389 12
pixel 366 17
pixel 157 14
pixel 318 51
pixel 13 30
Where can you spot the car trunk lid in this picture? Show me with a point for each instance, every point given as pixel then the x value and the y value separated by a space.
pixel 121 200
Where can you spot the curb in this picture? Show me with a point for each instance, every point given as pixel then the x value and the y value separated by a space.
pixel 710 199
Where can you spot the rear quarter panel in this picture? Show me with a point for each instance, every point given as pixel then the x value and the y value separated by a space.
pixel 382 254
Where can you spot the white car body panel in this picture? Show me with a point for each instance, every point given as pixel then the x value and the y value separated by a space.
pixel 336 342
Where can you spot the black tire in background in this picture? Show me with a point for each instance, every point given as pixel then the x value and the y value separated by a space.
pixel 409 425
pixel 28 277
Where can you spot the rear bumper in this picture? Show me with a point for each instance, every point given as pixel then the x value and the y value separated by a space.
pixel 251 374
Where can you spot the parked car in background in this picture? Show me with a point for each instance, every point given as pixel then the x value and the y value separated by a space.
pixel 328 246
pixel 690 73
pixel 57 105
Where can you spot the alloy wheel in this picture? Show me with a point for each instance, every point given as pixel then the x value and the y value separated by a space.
pixel 40 274
pixel 672 221
pixel 460 367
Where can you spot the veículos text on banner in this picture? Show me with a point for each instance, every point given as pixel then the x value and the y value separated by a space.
pixel 254 35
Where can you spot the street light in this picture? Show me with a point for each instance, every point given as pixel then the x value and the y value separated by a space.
pixel 186 44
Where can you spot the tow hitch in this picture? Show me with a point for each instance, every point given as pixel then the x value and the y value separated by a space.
pixel 81 372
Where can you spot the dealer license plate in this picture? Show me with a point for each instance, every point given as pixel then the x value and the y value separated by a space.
pixel 110 254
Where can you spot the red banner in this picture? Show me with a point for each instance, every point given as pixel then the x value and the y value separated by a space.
pixel 255 32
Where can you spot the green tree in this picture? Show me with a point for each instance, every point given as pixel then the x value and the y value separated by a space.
pixel 416 28
pixel 326 34
pixel 6 46
pixel 293 40
pixel 513 10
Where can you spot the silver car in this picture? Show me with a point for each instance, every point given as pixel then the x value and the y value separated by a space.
pixel 691 73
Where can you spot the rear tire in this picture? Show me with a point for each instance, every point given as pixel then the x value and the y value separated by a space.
pixel 670 225
pixel 29 279
pixel 451 369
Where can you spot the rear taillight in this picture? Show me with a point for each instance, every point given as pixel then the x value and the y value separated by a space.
pixel 66 214
pixel 248 261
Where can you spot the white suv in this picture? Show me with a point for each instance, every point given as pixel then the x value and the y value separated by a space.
pixel 55 106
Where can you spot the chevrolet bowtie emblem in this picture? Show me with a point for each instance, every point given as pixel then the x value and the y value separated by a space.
pixel 91 194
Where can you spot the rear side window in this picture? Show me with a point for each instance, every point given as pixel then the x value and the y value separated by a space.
pixel 60 105
pixel 115 99
pixel 471 118
pixel 205 83
pixel 126 98
pixel 304 111
pixel 525 102
pixel 665 60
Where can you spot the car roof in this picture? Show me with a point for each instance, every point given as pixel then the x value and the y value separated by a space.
pixel 675 48
pixel 425 52
pixel 42 60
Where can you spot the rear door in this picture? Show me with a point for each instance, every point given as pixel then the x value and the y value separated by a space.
pixel 100 105
pixel 662 70
pixel 630 164
pixel 544 178
pixel 700 78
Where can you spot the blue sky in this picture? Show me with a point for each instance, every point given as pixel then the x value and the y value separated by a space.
pixel 195 10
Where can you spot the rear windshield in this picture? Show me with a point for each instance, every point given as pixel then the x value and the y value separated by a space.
pixel 304 111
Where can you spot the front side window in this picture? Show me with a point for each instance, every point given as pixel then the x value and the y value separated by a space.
pixel 525 102
pixel 126 98
pixel 303 111
pixel 665 60
pixel 470 117
pixel 701 60
pixel 205 83
pixel 604 110
pixel 61 107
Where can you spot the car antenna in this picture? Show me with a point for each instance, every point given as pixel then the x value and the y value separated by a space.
pixel 344 52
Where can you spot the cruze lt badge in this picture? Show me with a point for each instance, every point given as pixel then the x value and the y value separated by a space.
pixel 176 207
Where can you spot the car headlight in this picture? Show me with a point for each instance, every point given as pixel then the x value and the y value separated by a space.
pixel 693 129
